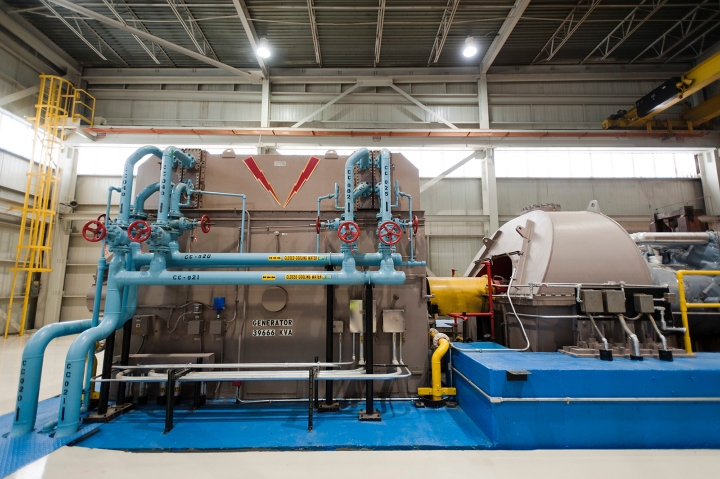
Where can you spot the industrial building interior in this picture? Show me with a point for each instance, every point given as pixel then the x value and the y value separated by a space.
pixel 207 205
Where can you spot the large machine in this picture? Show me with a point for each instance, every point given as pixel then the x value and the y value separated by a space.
pixel 271 279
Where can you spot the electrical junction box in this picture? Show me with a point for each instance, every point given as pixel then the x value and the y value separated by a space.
pixel 592 301
pixel 195 327
pixel 614 301
pixel 394 320
pixel 357 319
pixel 338 326
pixel 216 327
pixel 644 303
pixel 141 325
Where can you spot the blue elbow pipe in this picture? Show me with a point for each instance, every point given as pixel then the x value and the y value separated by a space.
pixel 127 181
pixel 177 193
pixel 69 413
pixel 141 198
pixel 169 157
pixel 32 360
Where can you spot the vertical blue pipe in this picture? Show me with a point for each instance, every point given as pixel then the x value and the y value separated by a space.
pixel 362 159
pixel 317 234
pixel 385 186
pixel 127 181
pixel 168 160
pixel 410 225
pixel 69 413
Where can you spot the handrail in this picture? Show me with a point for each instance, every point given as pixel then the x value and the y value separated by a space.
pixel 684 305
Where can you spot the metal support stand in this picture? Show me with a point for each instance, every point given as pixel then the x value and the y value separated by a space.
pixel 106 372
pixel 124 360
pixel 329 405
pixel 369 413
pixel 173 374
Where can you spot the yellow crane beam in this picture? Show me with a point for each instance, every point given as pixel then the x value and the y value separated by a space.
pixel 690 82
pixel 705 111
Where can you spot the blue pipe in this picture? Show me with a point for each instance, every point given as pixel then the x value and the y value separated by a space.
pixel 385 187
pixel 32 360
pixel 177 192
pixel 169 157
pixel 331 195
pixel 127 181
pixel 235 195
pixel 141 198
pixel 177 259
pixel 69 414
pixel 361 158
pixel 410 225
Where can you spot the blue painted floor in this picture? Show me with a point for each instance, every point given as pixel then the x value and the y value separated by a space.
pixel 223 425
pixel 21 451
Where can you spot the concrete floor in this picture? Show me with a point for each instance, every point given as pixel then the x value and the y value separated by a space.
pixel 73 461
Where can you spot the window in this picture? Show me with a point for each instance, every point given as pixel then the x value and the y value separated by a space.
pixel 16 134
pixel 555 163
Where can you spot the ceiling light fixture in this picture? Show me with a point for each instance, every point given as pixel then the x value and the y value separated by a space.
pixel 263 48
pixel 470 47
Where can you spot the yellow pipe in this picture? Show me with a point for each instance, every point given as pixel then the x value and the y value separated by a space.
pixel 684 305
pixel 437 391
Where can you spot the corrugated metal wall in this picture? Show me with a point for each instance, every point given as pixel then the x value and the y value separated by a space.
pixel 16 76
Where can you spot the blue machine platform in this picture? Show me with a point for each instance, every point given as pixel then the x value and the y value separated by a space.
pixel 568 402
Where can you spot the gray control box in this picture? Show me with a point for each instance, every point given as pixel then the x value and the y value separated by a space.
pixel 592 301
pixel 216 327
pixel 195 327
pixel 357 319
pixel 614 301
pixel 141 325
pixel 644 303
pixel 338 326
pixel 394 320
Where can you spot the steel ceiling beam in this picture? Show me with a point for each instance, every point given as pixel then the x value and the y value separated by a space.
pixel 418 103
pixel 169 45
pixel 314 31
pixel 249 28
pixel 36 40
pixel 443 30
pixel 379 31
pixel 326 105
pixel 80 29
pixel 148 50
pixel 192 28
pixel 693 21
pixel 628 26
pixel 503 34
pixel 566 30
pixel 19 95
pixel 698 45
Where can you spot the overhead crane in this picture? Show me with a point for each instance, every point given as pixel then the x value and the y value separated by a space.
pixel 670 93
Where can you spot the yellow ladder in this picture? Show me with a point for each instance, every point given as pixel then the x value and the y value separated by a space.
pixel 58 102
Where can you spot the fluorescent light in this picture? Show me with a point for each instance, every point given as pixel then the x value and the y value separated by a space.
pixel 263 48
pixel 470 47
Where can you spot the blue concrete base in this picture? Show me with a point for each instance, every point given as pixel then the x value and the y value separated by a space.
pixel 583 417
pixel 223 425
pixel 21 451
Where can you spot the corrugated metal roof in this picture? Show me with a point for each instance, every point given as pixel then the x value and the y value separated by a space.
pixel 347 29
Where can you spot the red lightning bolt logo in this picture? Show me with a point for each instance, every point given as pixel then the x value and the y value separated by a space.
pixel 260 176
pixel 304 176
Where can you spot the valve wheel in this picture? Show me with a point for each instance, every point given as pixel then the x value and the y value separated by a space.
pixel 348 232
pixel 317 225
pixel 205 224
pixel 139 231
pixel 94 231
pixel 102 218
pixel 389 233
pixel 415 224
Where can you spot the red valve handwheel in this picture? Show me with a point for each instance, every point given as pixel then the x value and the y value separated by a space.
pixel 348 232
pixel 415 225
pixel 102 218
pixel 317 225
pixel 205 224
pixel 139 231
pixel 94 231
pixel 389 233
